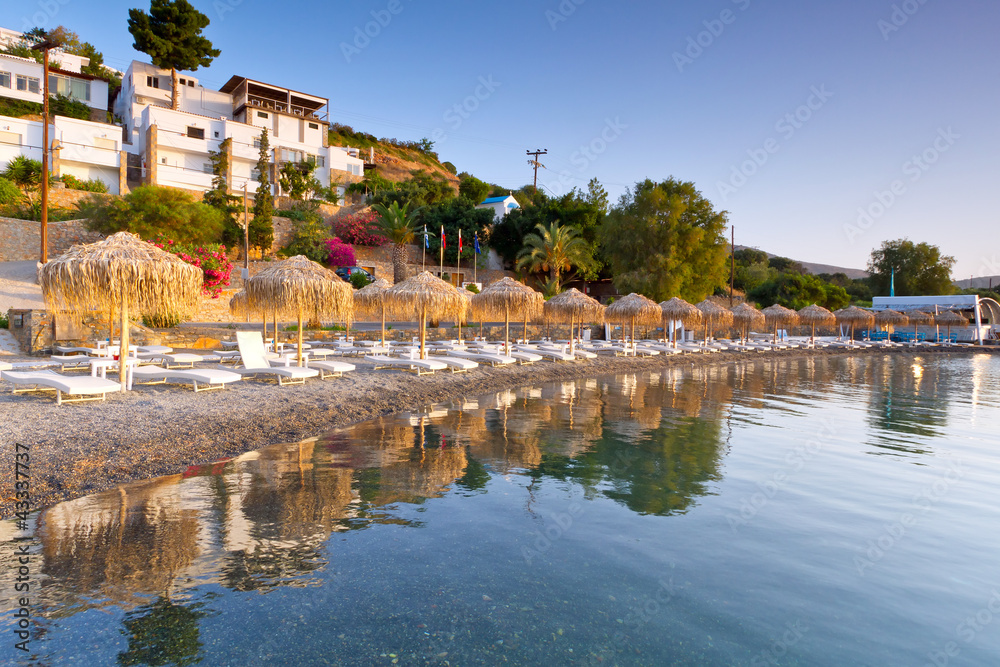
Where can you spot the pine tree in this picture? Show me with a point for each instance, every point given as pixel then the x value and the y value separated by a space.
pixel 170 34
pixel 219 197
pixel 261 227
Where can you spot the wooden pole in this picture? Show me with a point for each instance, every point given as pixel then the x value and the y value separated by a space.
pixel 123 348
pixel 423 330
pixel 300 337
pixel 45 158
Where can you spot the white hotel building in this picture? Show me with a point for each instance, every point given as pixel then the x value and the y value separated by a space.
pixel 172 148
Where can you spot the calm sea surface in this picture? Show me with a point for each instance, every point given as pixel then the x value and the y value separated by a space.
pixel 827 511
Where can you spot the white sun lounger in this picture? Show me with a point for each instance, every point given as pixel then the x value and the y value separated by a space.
pixel 491 358
pixel 179 360
pixel 549 353
pixel 418 366
pixel 214 378
pixel 330 367
pixel 662 348
pixel 456 364
pixel 255 362
pixel 4 366
pixel 576 354
pixel 73 360
pixel 70 384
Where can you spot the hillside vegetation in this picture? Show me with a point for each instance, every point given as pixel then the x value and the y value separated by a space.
pixel 396 159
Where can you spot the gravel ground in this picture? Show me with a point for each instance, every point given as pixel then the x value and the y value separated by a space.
pixel 18 288
pixel 82 448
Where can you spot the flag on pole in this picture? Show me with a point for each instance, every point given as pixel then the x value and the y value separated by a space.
pixel 476 246
pixel 443 244
pixel 427 240
pixel 460 242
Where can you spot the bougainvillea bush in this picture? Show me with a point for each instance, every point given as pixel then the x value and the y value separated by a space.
pixel 341 254
pixel 359 229
pixel 210 258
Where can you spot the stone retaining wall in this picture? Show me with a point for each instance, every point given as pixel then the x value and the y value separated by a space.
pixel 20 240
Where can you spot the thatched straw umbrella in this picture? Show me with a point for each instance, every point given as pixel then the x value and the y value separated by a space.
pixel 504 298
pixel 124 273
pixel 370 299
pixel 634 307
pixel 854 316
pixel 297 286
pixel 573 306
pixel 714 314
pixel 890 318
pixel 816 315
pixel 918 317
pixel 746 316
pixel 426 296
pixel 950 318
pixel 777 315
pixel 679 310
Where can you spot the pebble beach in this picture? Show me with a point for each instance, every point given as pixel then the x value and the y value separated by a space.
pixel 154 430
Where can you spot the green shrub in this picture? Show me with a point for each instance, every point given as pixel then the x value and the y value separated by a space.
pixel 59 105
pixel 4 322
pixel 472 288
pixel 91 185
pixel 10 194
pixel 359 280
pixel 309 232
pixel 150 210
pixel 161 321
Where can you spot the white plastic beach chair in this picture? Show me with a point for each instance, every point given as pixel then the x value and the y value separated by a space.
pixel 255 362
pixel 210 378
pixel 85 386
pixel 418 366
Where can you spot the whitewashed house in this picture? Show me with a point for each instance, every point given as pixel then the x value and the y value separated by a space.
pixel 21 79
pixel 501 206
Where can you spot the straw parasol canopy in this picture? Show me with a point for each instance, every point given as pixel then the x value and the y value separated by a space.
pixel 714 315
pixel 121 272
pixel 426 296
pixel 746 317
pixel 370 300
pixel 632 308
pixel 918 317
pixel 949 318
pixel 573 306
pixel 297 286
pixel 504 298
pixel 853 317
pixel 778 316
pixel 890 318
pixel 238 305
pixel 679 310
pixel 816 315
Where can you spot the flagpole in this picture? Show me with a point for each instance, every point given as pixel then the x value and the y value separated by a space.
pixel 475 260
pixel 458 264
pixel 441 270
pixel 423 266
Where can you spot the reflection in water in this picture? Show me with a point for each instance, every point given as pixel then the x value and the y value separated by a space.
pixel 263 522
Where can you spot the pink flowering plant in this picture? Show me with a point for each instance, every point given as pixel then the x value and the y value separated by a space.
pixel 359 229
pixel 341 254
pixel 209 257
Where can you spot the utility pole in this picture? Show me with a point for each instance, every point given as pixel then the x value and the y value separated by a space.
pixel 246 232
pixel 44 46
pixel 535 163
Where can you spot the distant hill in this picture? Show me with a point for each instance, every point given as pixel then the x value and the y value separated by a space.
pixel 396 160
pixel 815 268
pixel 983 283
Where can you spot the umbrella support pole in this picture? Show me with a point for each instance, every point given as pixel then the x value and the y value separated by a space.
pixel 506 332
pixel 123 349
pixel 383 325
pixel 423 331
pixel 299 355
pixel 572 348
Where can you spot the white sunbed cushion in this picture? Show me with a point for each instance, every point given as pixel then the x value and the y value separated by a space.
pixel 70 384
pixel 203 375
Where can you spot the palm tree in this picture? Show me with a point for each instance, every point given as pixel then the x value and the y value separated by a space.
pixel 400 228
pixel 554 249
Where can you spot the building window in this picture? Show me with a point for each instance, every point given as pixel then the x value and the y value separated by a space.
pixel 190 83
pixel 254 174
pixel 207 167
pixel 182 81
pixel 316 160
pixel 196 132
pixel 256 142
pixel 289 155
pixel 163 160
pixel 261 114
pixel 216 135
pixel 313 126
pixel 28 83
pixel 5 79
pixel 153 81
pixel 76 89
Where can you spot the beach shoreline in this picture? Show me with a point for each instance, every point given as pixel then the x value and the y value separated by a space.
pixel 79 449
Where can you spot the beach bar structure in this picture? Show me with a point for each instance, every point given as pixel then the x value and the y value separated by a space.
pixel 981 309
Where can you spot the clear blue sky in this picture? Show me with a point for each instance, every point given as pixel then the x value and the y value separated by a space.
pixel 605 75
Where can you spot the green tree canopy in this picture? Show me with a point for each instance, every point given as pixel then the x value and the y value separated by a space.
pixel 473 189
pixel 399 226
pixel 664 240
pixel 150 210
pixel 797 290
pixel 420 190
pixel 920 269
pixel 555 249
pixel 261 227
pixel 170 34
pixel 455 214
